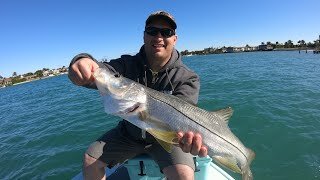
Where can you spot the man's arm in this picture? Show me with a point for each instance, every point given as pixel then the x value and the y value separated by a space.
pixel 188 90
pixel 83 65
pixel 81 70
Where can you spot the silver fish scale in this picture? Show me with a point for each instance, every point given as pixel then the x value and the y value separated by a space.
pixel 217 136
pixel 164 111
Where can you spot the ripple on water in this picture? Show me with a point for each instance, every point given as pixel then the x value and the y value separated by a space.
pixel 47 125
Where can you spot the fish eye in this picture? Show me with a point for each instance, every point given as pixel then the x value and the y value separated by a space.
pixel 117 75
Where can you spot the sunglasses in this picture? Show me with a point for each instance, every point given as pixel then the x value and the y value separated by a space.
pixel 165 32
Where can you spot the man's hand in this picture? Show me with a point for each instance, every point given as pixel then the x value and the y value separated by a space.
pixel 192 143
pixel 81 72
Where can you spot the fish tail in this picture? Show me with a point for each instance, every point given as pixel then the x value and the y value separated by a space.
pixel 247 174
pixel 251 156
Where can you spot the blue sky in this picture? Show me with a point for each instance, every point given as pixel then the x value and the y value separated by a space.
pixel 36 34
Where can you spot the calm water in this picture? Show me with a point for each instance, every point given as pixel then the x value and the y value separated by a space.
pixel 47 125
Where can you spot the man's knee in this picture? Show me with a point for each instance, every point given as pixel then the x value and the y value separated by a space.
pixel 91 161
pixel 179 171
pixel 93 168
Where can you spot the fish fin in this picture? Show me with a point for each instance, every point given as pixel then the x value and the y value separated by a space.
pixel 145 116
pixel 165 138
pixel 246 172
pixel 170 137
pixel 229 162
pixel 225 113
pixel 251 156
pixel 165 145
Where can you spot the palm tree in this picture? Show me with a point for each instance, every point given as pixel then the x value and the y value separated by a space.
pixel 39 73
pixel 288 44
pixel 301 43
pixel 14 74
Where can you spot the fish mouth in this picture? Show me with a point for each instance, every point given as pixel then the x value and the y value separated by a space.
pixel 131 109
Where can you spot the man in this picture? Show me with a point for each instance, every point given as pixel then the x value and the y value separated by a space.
pixel 158 65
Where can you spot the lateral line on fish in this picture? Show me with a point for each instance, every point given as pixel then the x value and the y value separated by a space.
pixel 158 99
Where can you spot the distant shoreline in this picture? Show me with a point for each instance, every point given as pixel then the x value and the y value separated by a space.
pixel 290 49
pixel 35 79
pixel 276 49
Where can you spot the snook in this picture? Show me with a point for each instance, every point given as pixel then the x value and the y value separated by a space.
pixel 163 115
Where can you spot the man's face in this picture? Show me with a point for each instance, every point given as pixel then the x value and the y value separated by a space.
pixel 159 47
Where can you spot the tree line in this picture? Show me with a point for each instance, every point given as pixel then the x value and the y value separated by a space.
pixel 301 44
pixel 289 44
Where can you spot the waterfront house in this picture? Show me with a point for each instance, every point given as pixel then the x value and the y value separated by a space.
pixel 238 49
pixel 63 69
pixel 45 73
pixel 262 47
pixel 31 77
pixel 269 47
pixel 247 48
pixel 265 47
pixel 227 50
pixel 5 82
pixel 209 50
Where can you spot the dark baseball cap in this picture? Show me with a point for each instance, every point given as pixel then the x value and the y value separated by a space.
pixel 164 15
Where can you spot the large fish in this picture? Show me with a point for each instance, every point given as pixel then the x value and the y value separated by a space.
pixel 163 115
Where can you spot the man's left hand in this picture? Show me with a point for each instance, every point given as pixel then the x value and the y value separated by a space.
pixel 192 143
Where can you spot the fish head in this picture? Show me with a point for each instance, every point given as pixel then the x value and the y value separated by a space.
pixel 120 95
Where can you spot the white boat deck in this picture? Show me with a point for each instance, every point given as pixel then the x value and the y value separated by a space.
pixel 144 168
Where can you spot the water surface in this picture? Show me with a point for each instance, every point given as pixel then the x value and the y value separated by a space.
pixel 46 125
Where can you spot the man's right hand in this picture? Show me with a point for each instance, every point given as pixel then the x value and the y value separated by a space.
pixel 81 72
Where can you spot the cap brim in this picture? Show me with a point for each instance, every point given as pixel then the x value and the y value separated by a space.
pixel 166 18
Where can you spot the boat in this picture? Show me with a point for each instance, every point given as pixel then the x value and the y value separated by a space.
pixel 143 167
